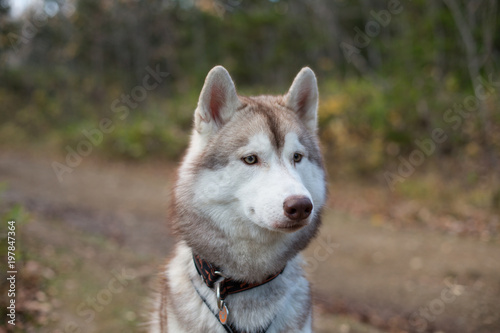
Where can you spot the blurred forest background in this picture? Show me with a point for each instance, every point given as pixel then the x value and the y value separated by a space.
pixel 409 121
pixel 389 71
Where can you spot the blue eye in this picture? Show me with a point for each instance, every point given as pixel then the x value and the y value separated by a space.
pixel 251 159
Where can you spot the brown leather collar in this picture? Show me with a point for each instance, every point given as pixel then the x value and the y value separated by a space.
pixel 210 274
pixel 225 286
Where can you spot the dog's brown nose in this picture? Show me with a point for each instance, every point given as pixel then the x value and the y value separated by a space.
pixel 297 207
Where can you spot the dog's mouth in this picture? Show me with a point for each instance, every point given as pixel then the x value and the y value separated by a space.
pixel 291 227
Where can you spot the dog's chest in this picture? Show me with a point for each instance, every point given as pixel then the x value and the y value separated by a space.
pixel 269 307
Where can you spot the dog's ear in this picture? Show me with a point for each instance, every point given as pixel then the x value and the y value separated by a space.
pixel 218 102
pixel 303 98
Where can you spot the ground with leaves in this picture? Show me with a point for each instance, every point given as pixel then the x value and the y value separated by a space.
pixel 89 249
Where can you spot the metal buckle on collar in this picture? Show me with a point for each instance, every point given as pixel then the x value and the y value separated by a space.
pixel 220 301
pixel 223 310
pixel 219 273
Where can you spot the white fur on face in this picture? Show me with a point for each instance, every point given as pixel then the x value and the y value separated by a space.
pixel 256 193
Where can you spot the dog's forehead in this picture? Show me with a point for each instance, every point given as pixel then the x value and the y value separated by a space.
pixel 264 117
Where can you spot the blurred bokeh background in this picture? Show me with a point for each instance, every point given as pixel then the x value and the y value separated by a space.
pixel 96 104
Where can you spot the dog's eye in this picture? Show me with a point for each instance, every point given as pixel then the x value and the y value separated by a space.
pixel 251 159
pixel 297 157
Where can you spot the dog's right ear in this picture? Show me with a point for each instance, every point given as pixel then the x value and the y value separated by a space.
pixel 217 103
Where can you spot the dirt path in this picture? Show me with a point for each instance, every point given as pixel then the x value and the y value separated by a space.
pixel 397 280
pixel 412 280
pixel 127 203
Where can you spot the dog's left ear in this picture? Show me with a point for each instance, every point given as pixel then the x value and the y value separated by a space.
pixel 303 98
pixel 218 102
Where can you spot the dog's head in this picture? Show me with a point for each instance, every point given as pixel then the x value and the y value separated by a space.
pixel 253 166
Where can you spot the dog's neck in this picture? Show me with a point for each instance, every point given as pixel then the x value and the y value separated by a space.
pixel 250 258
pixel 211 275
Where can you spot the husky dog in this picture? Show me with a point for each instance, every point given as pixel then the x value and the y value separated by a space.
pixel 248 199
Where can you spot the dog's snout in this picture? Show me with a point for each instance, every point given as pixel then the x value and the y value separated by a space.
pixel 297 207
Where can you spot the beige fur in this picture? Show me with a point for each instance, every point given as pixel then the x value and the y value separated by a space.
pixel 231 213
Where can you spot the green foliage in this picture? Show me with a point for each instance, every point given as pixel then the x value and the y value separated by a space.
pixel 147 137
pixel 394 90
